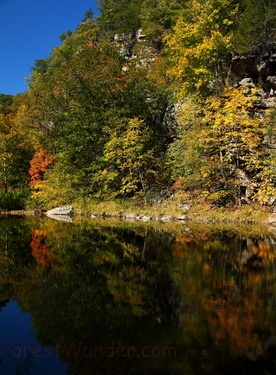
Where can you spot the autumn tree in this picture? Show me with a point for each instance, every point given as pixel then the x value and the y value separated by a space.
pixel 221 146
pixel 39 165
pixel 79 97
pixel 74 99
pixel 200 45
pixel 7 143
pixel 130 160
pixel 14 160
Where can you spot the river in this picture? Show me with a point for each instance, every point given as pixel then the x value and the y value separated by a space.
pixel 111 297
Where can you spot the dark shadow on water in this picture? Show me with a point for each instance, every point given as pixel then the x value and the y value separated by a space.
pixel 118 298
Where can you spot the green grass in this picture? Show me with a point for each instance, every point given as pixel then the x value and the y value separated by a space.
pixel 198 211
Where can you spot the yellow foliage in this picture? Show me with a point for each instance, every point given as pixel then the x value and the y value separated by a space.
pixel 198 41
pixel 128 156
pixel 220 146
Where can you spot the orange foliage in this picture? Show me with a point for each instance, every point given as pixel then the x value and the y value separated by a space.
pixel 237 322
pixel 179 250
pixel 178 184
pixel 40 249
pixel 40 163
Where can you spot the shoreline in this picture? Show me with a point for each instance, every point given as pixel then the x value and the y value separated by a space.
pixel 257 225
pixel 146 216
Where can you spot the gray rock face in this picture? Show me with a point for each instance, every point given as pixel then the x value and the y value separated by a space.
pixel 181 218
pixel 131 216
pixel 272 81
pixel 272 219
pixel 166 218
pixel 266 103
pixel 145 218
pixel 64 210
pixel 247 82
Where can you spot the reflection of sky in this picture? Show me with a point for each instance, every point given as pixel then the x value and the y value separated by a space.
pixel 18 345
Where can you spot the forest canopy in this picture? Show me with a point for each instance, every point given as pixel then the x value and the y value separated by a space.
pixel 148 100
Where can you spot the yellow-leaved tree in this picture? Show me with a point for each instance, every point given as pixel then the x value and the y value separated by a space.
pixel 130 161
pixel 267 191
pixel 200 45
pixel 220 147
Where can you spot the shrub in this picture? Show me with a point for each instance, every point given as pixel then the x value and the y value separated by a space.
pixel 13 200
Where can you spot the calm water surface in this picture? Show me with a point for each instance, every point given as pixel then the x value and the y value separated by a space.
pixel 91 297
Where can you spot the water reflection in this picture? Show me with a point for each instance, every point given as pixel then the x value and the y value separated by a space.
pixel 130 299
pixel 21 353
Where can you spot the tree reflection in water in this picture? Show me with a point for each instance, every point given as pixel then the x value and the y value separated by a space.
pixel 131 299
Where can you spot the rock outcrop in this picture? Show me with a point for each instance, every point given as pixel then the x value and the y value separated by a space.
pixel 64 210
pixel 272 219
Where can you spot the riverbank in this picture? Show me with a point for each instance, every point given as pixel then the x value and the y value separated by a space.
pixel 167 211
pixel 173 211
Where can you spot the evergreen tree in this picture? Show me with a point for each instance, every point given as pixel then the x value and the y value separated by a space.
pixel 5 103
pixel 257 27
pixel 158 16
pixel 119 16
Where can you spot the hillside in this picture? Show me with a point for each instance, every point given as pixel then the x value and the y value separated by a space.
pixel 150 101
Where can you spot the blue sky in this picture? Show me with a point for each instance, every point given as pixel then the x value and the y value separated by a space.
pixel 29 29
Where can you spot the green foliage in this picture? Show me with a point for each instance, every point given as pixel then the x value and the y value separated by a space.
pixel 14 155
pixel 62 184
pixel 14 200
pixel 185 156
pixel 72 101
pixel 5 103
pixel 158 16
pixel 130 159
pixel 103 117
pixel 267 191
pixel 257 26
pixel 119 16
pixel 80 101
